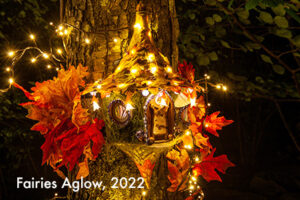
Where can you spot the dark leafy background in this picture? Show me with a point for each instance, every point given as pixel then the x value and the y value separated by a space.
pixel 252 46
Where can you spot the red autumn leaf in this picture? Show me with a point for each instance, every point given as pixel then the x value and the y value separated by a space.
pixel 214 123
pixel 209 164
pixel 186 71
pixel 72 143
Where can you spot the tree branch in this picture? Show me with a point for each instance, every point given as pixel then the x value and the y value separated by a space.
pixel 268 51
pixel 286 125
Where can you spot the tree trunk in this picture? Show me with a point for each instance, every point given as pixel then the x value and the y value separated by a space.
pixel 109 25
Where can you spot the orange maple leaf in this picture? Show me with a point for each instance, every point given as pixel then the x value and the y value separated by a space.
pixel 214 123
pixel 179 170
pixel 146 171
pixel 206 168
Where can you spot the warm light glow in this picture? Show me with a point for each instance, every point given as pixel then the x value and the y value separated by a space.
pixel 137 26
pixel 122 85
pixel 56 68
pixel 206 125
pixel 95 105
pixel 129 106
pixel 115 40
pixel 134 71
pixel 59 51
pixel 151 57
pixel 175 83
pixel 56 194
pixel 51 23
pixel 194 178
pixel 7 69
pixel 145 93
pixel 188 146
pixel 149 33
pixel 11 53
pixel 188 132
pixel 208 77
pixel 169 69
pixel 149 82
pixel 153 69
pixel 87 41
pixel 208 104
pixel 190 90
pixel 133 51
pixel 60 33
pixel 49 66
pixel 193 102
pixel 33 60
pixel 192 187
pixel 46 56
pixel 218 86
pixel 197 159
pixel 144 193
pixel 11 80
pixel 66 32
pixel 118 69
pixel 224 88
pixel 32 37
pixel 99 86
pixel 60 27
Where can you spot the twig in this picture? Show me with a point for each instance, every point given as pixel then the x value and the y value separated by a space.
pixel 251 37
pixel 286 125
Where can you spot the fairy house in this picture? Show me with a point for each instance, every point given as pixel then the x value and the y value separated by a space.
pixel 146 71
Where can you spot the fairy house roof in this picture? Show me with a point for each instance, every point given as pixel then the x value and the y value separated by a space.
pixel 143 66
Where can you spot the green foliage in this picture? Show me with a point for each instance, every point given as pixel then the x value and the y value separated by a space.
pixel 232 32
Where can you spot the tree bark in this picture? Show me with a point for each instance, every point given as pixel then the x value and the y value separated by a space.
pixel 108 24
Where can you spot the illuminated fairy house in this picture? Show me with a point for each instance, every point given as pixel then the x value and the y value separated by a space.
pixel 146 72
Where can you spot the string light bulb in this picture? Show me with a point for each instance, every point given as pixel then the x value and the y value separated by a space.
pixel 11 80
pixel 33 60
pixel 11 53
pixel 95 105
pixel 115 40
pixel 169 69
pixel 122 85
pixel 188 132
pixel 151 57
pixel 133 51
pixel 218 86
pixel 145 93
pixel 153 69
pixel 193 102
pixel 7 69
pixel 49 66
pixel 224 87
pixel 60 27
pixel 134 71
pixel 129 107
pixel 137 26
pixel 144 193
pixel 99 86
pixel 45 55
pixel 32 37
pixel 87 41
pixel 197 159
pixel 56 68
pixel 59 51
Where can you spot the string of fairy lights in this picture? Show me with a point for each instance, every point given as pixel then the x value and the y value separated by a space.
pixel 58 55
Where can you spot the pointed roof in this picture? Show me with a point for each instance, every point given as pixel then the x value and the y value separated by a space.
pixel 143 66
